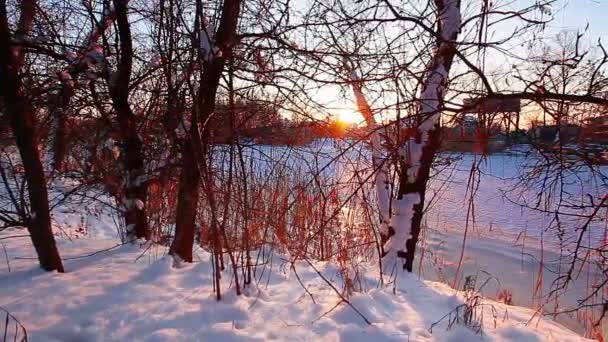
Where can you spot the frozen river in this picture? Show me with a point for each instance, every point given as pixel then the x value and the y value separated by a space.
pixel 506 239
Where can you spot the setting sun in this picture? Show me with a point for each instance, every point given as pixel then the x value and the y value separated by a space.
pixel 349 116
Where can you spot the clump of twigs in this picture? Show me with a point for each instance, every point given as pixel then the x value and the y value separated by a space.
pixel 471 313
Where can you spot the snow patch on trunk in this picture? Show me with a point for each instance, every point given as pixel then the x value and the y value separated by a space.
pixel 401 222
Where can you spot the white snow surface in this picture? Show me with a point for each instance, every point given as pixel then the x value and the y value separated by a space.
pixel 134 293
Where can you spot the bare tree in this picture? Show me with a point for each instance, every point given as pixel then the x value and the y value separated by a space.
pixel 22 117
pixel 214 48
pixel 136 185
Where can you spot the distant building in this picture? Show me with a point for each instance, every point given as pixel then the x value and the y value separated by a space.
pixel 595 130
pixel 552 134
pixel 485 126
pixel 468 135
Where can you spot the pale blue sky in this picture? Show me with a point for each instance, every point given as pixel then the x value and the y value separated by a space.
pixel 576 13
pixel 573 15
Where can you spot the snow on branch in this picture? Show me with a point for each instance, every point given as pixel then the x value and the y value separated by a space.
pixel 206 38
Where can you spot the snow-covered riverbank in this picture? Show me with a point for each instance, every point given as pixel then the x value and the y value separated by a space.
pixel 118 295
pixel 110 296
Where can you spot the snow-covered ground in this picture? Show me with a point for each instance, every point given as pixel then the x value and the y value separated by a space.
pixel 126 294
pixel 132 292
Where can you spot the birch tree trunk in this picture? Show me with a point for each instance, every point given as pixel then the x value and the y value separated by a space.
pixel 379 165
pixel 22 119
pixel 419 151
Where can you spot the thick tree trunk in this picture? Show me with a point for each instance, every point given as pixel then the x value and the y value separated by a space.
pixel 136 188
pixel 420 150
pixel 22 119
pixel 39 226
pixel 187 205
pixel 418 187
pixel 213 67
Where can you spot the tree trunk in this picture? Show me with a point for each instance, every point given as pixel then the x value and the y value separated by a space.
pixel 136 188
pixel 379 164
pixel 192 148
pixel 39 225
pixel 421 149
pixel 187 205
pixel 418 187
pixel 22 119
pixel 60 137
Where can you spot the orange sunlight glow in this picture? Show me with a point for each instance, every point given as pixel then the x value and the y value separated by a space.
pixel 349 116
